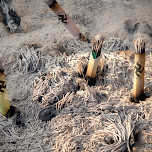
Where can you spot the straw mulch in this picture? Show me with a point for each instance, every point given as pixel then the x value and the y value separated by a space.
pixel 67 114
pixel 56 109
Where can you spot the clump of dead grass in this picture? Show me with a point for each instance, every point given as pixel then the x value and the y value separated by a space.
pixel 97 118
pixel 30 60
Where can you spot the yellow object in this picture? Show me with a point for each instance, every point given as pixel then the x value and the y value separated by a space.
pixel 97 43
pixel 4 102
pixel 139 71
pixel 92 66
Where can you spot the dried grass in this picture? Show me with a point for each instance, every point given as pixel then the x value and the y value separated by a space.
pixel 30 60
pixel 97 118
pixel 115 117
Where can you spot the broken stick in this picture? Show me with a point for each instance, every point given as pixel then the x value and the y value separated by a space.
pixel 65 19
pixel 97 43
pixel 4 102
pixel 139 68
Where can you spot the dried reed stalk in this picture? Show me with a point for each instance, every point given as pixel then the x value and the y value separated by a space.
pixel 65 19
pixel 97 44
pixel 139 68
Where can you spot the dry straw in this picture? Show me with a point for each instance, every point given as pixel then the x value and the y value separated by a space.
pixel 139 69
pixel 65 19
pixel 97 43
pixel 30 60
pixel 86 117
